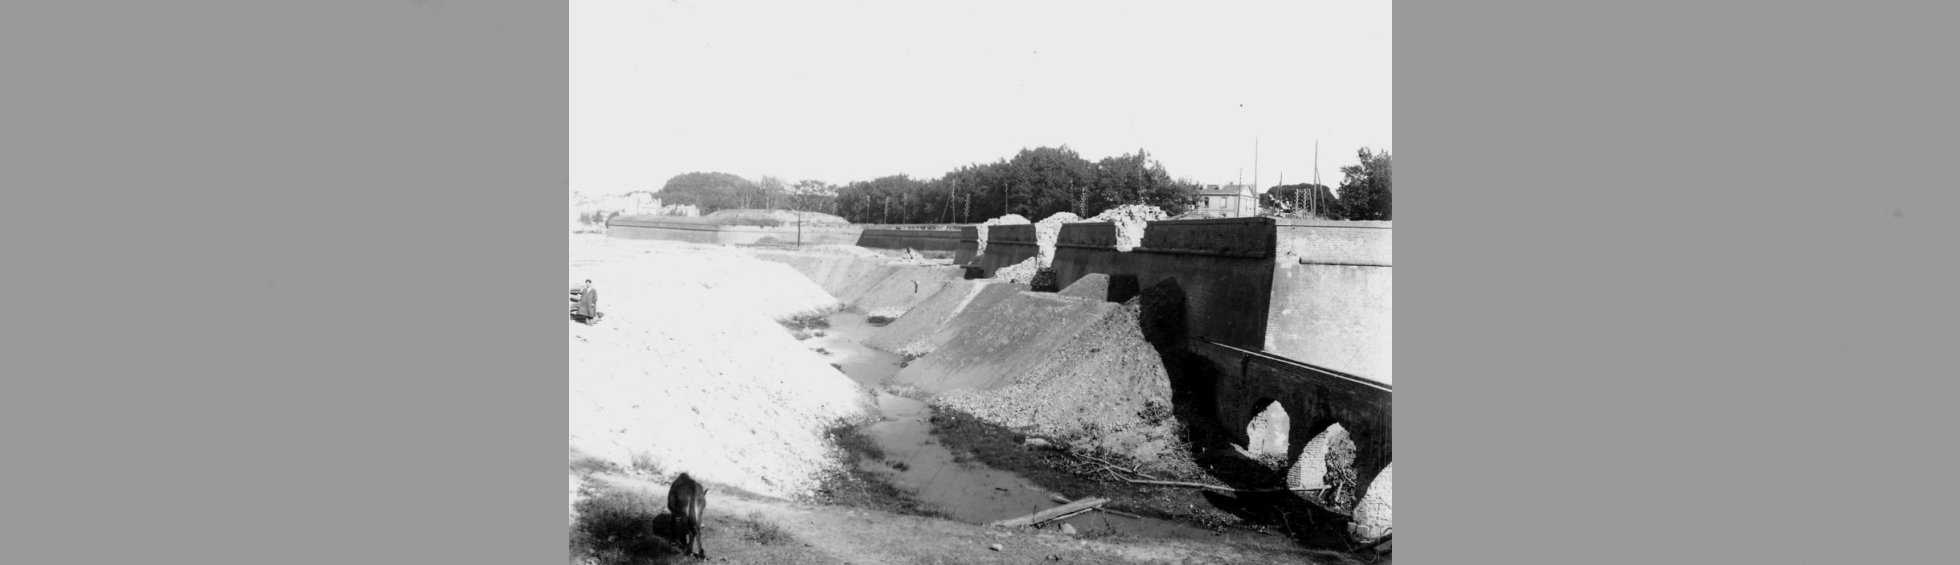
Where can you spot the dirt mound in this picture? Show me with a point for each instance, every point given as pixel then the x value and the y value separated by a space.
pixel 628 270
pixel 963 314
pixel 909 334
pixel 835 273
pixel 990 345
pixel 1010 219
pixel 899 287
pixel 687 372
pixel 1093 385
pixel 876 285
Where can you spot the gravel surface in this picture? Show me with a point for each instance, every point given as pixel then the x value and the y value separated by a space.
pixel 1020 273
pixel 1090 389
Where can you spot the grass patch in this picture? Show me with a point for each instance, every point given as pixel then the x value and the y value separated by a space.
pixel 806 326
pixel 646 463
pixel 587 465
pixel 807 322
pixel 849 439
pixel 859 488
pixel 758 530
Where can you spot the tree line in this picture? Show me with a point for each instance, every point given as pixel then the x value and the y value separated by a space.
pixel 1366 193
pixel 1034 183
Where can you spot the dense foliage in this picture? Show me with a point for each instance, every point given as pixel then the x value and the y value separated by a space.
pixel 1035 183
pixel 1368 191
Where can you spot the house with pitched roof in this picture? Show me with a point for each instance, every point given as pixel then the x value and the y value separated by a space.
pixel 1227 200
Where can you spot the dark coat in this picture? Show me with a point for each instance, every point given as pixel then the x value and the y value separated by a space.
pixel 588 303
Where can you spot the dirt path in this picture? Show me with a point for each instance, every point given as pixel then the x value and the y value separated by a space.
pixel 827 535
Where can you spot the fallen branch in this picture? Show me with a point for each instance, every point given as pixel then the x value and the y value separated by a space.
pixel 1114 470
pixel 1119 513
pixel 1221 488
pixel 1064 516
pixel 1137 470
pixel 1060 500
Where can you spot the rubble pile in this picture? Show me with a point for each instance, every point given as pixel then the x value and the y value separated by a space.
pixel 1019 273
pixel 1010 219
pixel 1045 232
pixel 1130 220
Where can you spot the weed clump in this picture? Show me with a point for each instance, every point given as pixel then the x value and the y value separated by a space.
pixel 758 530
pixel 617 528
pixel 591 465
pixel 806 326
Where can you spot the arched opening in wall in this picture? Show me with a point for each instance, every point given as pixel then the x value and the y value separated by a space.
pixel 1375 513
pixel 1266 439
pixel 1327 461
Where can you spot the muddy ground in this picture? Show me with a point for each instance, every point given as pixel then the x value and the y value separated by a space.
pixel 742 528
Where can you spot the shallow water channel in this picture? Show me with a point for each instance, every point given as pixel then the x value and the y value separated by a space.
pixel 969 491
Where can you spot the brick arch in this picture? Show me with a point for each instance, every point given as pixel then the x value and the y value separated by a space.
pixel 1315 399
pixel 1309 468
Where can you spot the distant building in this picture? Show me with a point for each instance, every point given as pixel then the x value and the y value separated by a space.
pixel 644 203
pixel 1227 200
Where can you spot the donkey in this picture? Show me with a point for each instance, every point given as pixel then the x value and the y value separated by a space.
pixel 688 501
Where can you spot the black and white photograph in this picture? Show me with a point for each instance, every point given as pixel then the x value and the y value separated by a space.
pixel 871 282
pixel 1005 282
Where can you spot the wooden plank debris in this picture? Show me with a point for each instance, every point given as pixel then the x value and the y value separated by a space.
pixel 1055 513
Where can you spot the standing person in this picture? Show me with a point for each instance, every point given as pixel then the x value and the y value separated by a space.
pixel 588 303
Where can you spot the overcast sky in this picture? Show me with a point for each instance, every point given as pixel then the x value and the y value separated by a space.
pixel 853 90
